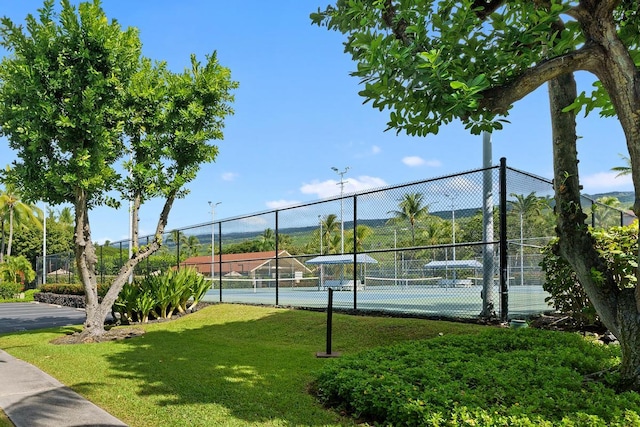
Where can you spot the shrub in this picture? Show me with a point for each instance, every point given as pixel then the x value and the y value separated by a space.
pixel 17 269
pixel 618 246
pixel 70 289
pixel 523 377
pixel 161 296
pixel 8 290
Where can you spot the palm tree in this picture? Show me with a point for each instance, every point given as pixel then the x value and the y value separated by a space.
pixel 65 216
pixel 623 170
pixel 362 233
pixel 14 212
pixel 330 225
pixel 267 241
pixel 177 237
pixel 192 245
pixel 410 209
pixel 528 205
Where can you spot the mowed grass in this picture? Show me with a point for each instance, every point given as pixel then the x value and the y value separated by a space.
pixel 4 421
pixel 226 364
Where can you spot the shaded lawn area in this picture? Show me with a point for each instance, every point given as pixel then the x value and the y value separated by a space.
pixel 223 365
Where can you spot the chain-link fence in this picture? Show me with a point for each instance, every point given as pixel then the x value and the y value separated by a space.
pixel 463 245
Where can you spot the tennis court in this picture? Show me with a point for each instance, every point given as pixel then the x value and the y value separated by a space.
pixel 414 299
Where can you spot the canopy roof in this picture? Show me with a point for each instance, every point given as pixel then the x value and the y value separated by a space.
pixel 342 259
pixel 460 263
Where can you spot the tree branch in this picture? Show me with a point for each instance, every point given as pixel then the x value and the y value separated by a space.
pixel 489 6
pixel 399 27
pixel 498 99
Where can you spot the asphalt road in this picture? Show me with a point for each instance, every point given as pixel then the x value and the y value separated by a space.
pixel 23 316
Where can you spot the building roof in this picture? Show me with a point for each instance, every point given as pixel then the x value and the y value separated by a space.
pixel 342 259
pixel 460 263
pixel 244 263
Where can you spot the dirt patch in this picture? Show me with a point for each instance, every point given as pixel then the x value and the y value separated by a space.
pixel 113 334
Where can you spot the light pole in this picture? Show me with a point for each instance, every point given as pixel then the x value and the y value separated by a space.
pixel 321 253
pixel 341 184
pixel 213 227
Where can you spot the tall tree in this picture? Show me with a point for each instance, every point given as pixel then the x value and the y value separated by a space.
pixel 410 209
pixel 67 89
pixel 431 62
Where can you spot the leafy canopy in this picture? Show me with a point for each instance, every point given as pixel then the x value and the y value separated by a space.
pixel 430 62
pixel 62 89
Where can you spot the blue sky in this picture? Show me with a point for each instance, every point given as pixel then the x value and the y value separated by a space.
pixel 298 114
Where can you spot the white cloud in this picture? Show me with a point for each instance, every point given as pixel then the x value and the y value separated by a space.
pixel 413 161
pixel 229 176
pixel 331 187
pixel 605 181
pixel 277 204
pixel 375 149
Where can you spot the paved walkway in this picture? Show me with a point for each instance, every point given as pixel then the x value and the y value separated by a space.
pixel 32 398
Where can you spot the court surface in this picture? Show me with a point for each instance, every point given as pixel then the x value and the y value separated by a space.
pixel 420 300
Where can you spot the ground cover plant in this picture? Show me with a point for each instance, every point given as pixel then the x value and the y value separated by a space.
pixel 225 364
pixel 496 378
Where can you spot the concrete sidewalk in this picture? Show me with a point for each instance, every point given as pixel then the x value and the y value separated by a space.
pixel 32 398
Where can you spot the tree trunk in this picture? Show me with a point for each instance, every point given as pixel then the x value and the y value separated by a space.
pixel 86 261
pixel 10 230
pixel 1 240
pixel 616 308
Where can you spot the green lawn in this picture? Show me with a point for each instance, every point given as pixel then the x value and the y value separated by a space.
pixel 4 421
pixel 226 364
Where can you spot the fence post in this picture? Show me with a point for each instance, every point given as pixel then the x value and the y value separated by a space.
pixel 355 253
pixel 277 259
pixel 504 289
pixel 220 259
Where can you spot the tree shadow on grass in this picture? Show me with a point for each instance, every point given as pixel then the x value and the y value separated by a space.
pixel 254 371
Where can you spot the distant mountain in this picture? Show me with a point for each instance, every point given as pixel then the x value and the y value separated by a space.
pixel 625 197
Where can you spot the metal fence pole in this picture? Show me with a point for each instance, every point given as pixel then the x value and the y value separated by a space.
pixel 355 253
pixel 504 289
pixel 277 259
pixel 220 259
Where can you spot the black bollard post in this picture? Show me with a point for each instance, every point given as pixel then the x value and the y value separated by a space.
pixel 329 320
pixel 328 352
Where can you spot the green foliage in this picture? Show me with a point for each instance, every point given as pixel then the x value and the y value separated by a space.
pixel 160 296
pixel 618 247
pixel 17 269
pixel 70 289
pixel 431 62
pixel 9 290
pixel 62 98
pixel 28 294
pixel 523 377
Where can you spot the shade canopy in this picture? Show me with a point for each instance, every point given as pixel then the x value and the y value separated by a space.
pixel 342 259
pixel 460 263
